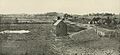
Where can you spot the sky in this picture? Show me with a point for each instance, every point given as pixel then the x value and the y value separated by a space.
pixel 65 6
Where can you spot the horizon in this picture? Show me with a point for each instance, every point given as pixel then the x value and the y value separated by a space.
pixel 56 12
pixel 61 6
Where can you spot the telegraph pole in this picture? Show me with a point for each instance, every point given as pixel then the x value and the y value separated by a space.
pixel 0 23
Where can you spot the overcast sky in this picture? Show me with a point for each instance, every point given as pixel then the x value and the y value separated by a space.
pixel 66 6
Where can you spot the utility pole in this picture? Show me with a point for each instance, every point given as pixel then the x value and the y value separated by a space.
pixel 0 23
pixel 16 20
pixel 117 31
pixel 96 29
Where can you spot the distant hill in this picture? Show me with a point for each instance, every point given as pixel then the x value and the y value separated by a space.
pixel 51 14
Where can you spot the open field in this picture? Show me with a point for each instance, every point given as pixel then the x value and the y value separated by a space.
pixel 41 40
pixel 28 43
pixel 36 42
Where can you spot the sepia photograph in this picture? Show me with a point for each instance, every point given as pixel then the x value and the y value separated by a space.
pixel 59 27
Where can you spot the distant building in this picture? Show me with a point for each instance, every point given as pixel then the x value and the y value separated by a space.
pixel 95 20
pixel 60 28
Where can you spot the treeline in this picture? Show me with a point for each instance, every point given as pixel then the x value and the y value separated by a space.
pixel 101 14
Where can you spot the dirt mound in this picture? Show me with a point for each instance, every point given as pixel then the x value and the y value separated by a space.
pixel 85 35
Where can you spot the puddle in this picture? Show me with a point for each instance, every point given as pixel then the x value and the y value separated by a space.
pixel 15 31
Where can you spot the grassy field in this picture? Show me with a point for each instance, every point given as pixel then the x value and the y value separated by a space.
pixel 41 41
pixel 33 43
